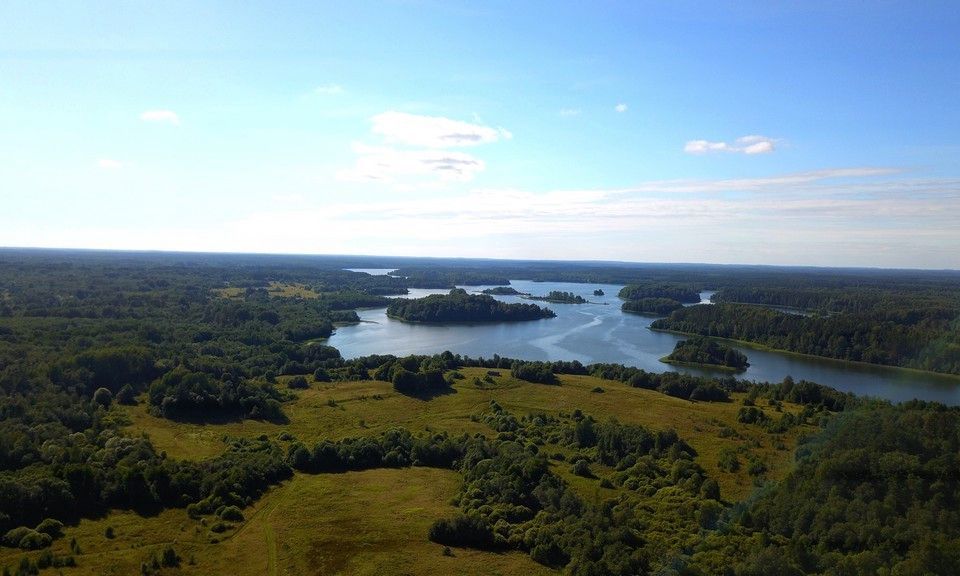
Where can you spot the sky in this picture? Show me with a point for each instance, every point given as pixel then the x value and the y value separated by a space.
pixel 794 133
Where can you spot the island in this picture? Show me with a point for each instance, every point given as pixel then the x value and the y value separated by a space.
pixel 560 298
pixel 458 306
pixel 598 292
pixel 704 351
pixel 651 306
pixel 679 292
pixel 503 291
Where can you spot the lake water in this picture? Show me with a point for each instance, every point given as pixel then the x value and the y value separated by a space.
pixel 601 332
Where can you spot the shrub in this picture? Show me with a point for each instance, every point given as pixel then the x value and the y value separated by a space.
pixel 13 536
pixel 103 397
pixel 298 383
pixel 51 527
pixel 34 540
pixel 462 530
pixel 127 395
pixel 582 468
pixel 170 558
pixel 232 514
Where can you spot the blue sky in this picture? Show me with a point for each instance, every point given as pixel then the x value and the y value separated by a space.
pixel 768 132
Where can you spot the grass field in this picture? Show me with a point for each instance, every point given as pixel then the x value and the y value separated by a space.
pixel 340 410
pixel 376 521
pixel 321 525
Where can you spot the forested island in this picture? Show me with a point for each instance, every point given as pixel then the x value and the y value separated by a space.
pixel 560 297
pixel 173 414
pixel 707 352
pixel 679 292
pixel 502 291
pixel 458 306
pixel 651 306
pixel 598 292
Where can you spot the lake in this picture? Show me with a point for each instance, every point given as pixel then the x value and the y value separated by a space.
pixel 601 332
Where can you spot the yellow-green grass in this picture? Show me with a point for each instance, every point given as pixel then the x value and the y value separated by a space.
pixel 277 289
pixel 366 523
pixel 346 409
pixel 284 290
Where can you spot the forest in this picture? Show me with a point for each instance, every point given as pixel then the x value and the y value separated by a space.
pixel 458 306
pixel 776 478
pixel 651 306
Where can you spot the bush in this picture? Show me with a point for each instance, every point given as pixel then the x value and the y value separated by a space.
pixel 321 375
pixel 232 514
pixel 582 468
pixel 127 395
pixel 298 383
pixel 51 527
pixel 462 530
pixel 34 540
pixel 170 558
pixel 103 397
pixel 14 535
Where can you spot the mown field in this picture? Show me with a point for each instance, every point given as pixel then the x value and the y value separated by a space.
pixel 376 521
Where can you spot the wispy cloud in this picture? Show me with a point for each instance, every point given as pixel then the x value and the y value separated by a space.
pixel 753 144
pixel 433 131
pixel 329 89
pixel 161 116
pixel 109 164
pixel 621 108
pixel 386 164
pixel 419 147
pixel 569 111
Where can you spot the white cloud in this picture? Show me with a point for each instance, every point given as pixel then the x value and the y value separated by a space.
pixel 416 149
pixel 329 89
pixel 753 144
pixel 433 131
pixel 569 111
pixel 161 116
pixel 386 164
pixel 109 164
pixel 621 108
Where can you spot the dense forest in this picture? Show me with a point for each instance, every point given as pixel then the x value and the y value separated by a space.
pixel 458 306
pixel 651 306
pixel 677 292
pixel 191 339
pixel 700 350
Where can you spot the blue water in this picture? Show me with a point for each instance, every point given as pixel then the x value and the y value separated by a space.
pixel 601 332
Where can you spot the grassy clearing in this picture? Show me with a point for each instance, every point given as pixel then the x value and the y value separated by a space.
pixel 365 523
pixel 340 410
